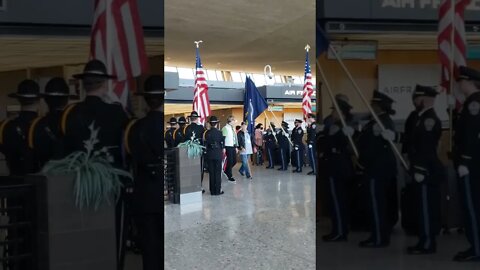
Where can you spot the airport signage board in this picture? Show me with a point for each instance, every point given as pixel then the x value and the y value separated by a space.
pixel 422 10
pixel 283 92
pixel 275 108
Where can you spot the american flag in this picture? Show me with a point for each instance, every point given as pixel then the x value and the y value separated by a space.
pixel 117 40
pixel 201 102
pixel 451 18
pixel 307 89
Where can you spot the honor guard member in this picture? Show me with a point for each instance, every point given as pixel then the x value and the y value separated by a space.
pixel 270 145
pixel 284 145
pixel 195 131
pixel 44 136
pixel 312 143
pixel 338 171
pixel 14 132
pixel 298 146
pixel 379 166
pixel 412 119
pixel 178 135
pixel 170 132
pixel 111 120
pixel 144 143
pixel 467 159
pixel 427 169
pixel 214 144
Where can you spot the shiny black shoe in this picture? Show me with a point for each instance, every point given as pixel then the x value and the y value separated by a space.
pixel 335 238
pixel 221 192
pixel 203 190
pixel 467 256
pixel 311 173
pixel 232 180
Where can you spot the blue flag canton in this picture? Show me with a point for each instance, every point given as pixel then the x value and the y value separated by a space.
pixel 254 104
pixel 198 62
pixel 322 41
pixel 308 69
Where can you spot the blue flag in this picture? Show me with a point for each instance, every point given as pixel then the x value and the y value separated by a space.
pixel 254 104
pixel 322 41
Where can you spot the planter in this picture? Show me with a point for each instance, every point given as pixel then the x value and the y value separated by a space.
pixel 190 174
pixel 70 238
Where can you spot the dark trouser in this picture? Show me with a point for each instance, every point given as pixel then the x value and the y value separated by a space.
pixel 271 162
pixel 377 193
pixel 231 160
pixel 428 199
pixel 150 229
pixel 120 228
pixel 215 175
pixel 470 188
pixel 338 206
pixel 297 157
pixel 284 158
pixel 312 157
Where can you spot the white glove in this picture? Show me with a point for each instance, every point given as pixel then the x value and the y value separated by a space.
pixel 388 135
pixel 310 146
pixel 296 148
pixel 264 132
pixel 419 177
pixel 348 131
pixel 285 134
pixel 463 171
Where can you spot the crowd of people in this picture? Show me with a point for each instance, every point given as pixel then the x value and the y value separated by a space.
pixel 279 146
pixel 28 141
pixel 375 168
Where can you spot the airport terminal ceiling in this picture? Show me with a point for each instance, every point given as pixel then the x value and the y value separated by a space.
pixel 240 37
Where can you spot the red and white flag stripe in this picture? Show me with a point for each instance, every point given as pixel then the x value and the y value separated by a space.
pixel 201 101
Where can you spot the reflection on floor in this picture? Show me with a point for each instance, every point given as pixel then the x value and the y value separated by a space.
pixel 267 223
pixel 347 256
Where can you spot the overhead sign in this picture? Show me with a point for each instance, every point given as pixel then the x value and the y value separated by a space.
pixel 399 81
pixel 275 108
pixel 354 50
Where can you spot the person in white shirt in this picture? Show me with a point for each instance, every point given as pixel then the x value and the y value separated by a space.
pixel 231 144
pixel 245 147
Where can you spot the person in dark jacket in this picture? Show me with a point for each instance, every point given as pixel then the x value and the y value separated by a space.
pixel 338 171
pixel 284 145
pixel 214 144
pixel 44 136
pixel 178 135
pixel 312 143
pixel 378 164
pixel 427 169
pixel 145 144
pixel 14 132
pixel 245 149
pixel 270 145
pixel 169 139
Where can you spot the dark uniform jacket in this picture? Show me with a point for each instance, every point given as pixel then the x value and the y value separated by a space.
pixel 214 144
pixel 270 139
pixel 311 134
pixel 336 152
pixel 467 135
pixel 144 140
pixel 425 137
pixel 169 137
pixel 179 136
pixel 282 139
pixel 14 144
pixel 408 137
pixel 45 139
pixel 110 118
pixel 297 136
pixel 377 158
pixel 194 128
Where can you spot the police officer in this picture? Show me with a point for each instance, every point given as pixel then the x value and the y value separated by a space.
pixel 298 150
pixel 270 145
pixel 110 118
pixel 214 144
pixel 338 171
pixel 312 143
pixel 14 132
pixel 178 135
pixel 427 169
pixel 146 149
pixel 378 164
pixel 44 136
pixel 195 131
pixel 284 145
pixel 467 158
pixel 170 132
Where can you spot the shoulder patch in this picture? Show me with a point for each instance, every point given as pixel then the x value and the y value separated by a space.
pixel 474 108
pixel 333 130
pixel 314 126
pixel 429 124
pixel 300 131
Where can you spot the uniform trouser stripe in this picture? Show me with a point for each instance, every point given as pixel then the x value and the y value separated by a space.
pixel 337 206
pixel 312 160
pixel 375 211
pixel 473 216
pixel 270 158
pixel 299 164
pixel 283 158
pixel 426 217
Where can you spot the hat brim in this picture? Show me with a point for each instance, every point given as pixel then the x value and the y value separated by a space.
pixel 214 122
pixel 151 93
pixel 93 75
pixel 31 96
pixel 58 95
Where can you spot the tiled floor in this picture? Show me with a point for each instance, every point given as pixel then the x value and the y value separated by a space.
pixel 267 223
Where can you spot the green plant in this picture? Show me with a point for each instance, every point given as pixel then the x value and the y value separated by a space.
pixel 194 148
pixel 96 180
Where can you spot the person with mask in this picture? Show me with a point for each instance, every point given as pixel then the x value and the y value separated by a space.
pixel 178 135
pixel 467 159
pixel 284 145
pixel 270 145
pixel 312 143
pixel 246 149
pixel 44 136
pixel 378 165
pixel 338 171
pixel 258 145
pixel 169 133
pixel 231 144
pixel 298 150
pixel 14 132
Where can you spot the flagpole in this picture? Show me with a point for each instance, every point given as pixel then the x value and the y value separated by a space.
pixel 452 67
pixel 365 101
pixel 305 116
pixel 270 124
pixel 337 108
pixel 276 119
pixel 108 47
pixel 202 117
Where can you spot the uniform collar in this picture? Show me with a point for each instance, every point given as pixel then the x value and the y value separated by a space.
pixel 424 110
